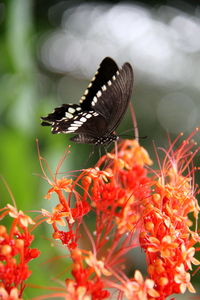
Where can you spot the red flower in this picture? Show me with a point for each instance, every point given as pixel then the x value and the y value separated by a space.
pixel 15 253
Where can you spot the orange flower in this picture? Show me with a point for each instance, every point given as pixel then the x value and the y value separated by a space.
pixel 132 153
pixel 76 293
pixel 188 256
pixel 55 217
pixel 60 184
pixel 140 289
pixel 13 295
pixel 20 216
pixel 166 246
pixel 183 279
pixel 97 265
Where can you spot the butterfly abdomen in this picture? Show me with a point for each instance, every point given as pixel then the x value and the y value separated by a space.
pixel 81 138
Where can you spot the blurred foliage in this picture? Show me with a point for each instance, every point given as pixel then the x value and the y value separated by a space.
pixel 28 91
pixel 20 109
pixel 24 98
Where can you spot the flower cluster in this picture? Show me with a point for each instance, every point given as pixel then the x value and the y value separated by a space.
pixel 166 236
pixel 132 206
pixel 15 253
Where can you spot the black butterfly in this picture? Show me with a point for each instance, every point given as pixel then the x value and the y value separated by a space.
pixel 101 107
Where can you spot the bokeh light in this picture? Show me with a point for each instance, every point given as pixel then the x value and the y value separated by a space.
pixel 161 43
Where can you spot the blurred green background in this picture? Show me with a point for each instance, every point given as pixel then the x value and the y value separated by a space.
pixel 49 50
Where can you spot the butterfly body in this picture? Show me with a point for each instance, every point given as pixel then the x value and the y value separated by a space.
pixel 84 139
pixel 101 107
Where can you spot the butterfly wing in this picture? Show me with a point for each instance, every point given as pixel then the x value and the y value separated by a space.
pixel 112 102
pixel 105 72
pixel 89 126
pixel 71 119
pixel 64 112
pixel 90 123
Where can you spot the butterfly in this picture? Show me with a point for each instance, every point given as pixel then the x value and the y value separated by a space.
pixel 100 109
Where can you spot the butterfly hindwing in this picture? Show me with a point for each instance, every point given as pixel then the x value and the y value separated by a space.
pixel 90 123
pixel 66 111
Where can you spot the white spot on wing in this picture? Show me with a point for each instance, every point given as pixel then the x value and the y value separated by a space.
pixel 71 110
pixel 68 115
pixel 72 128
pixel 99 93
pixel 94 101
pixel 88 116
pixel 55 129
pixel 109 82
pixel 104 88
pixel 86 92
pixel 83 119
pixel 74 124
pixel 82 99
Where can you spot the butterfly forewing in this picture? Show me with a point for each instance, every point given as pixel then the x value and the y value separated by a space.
pixel 105 72
pixel 112 103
